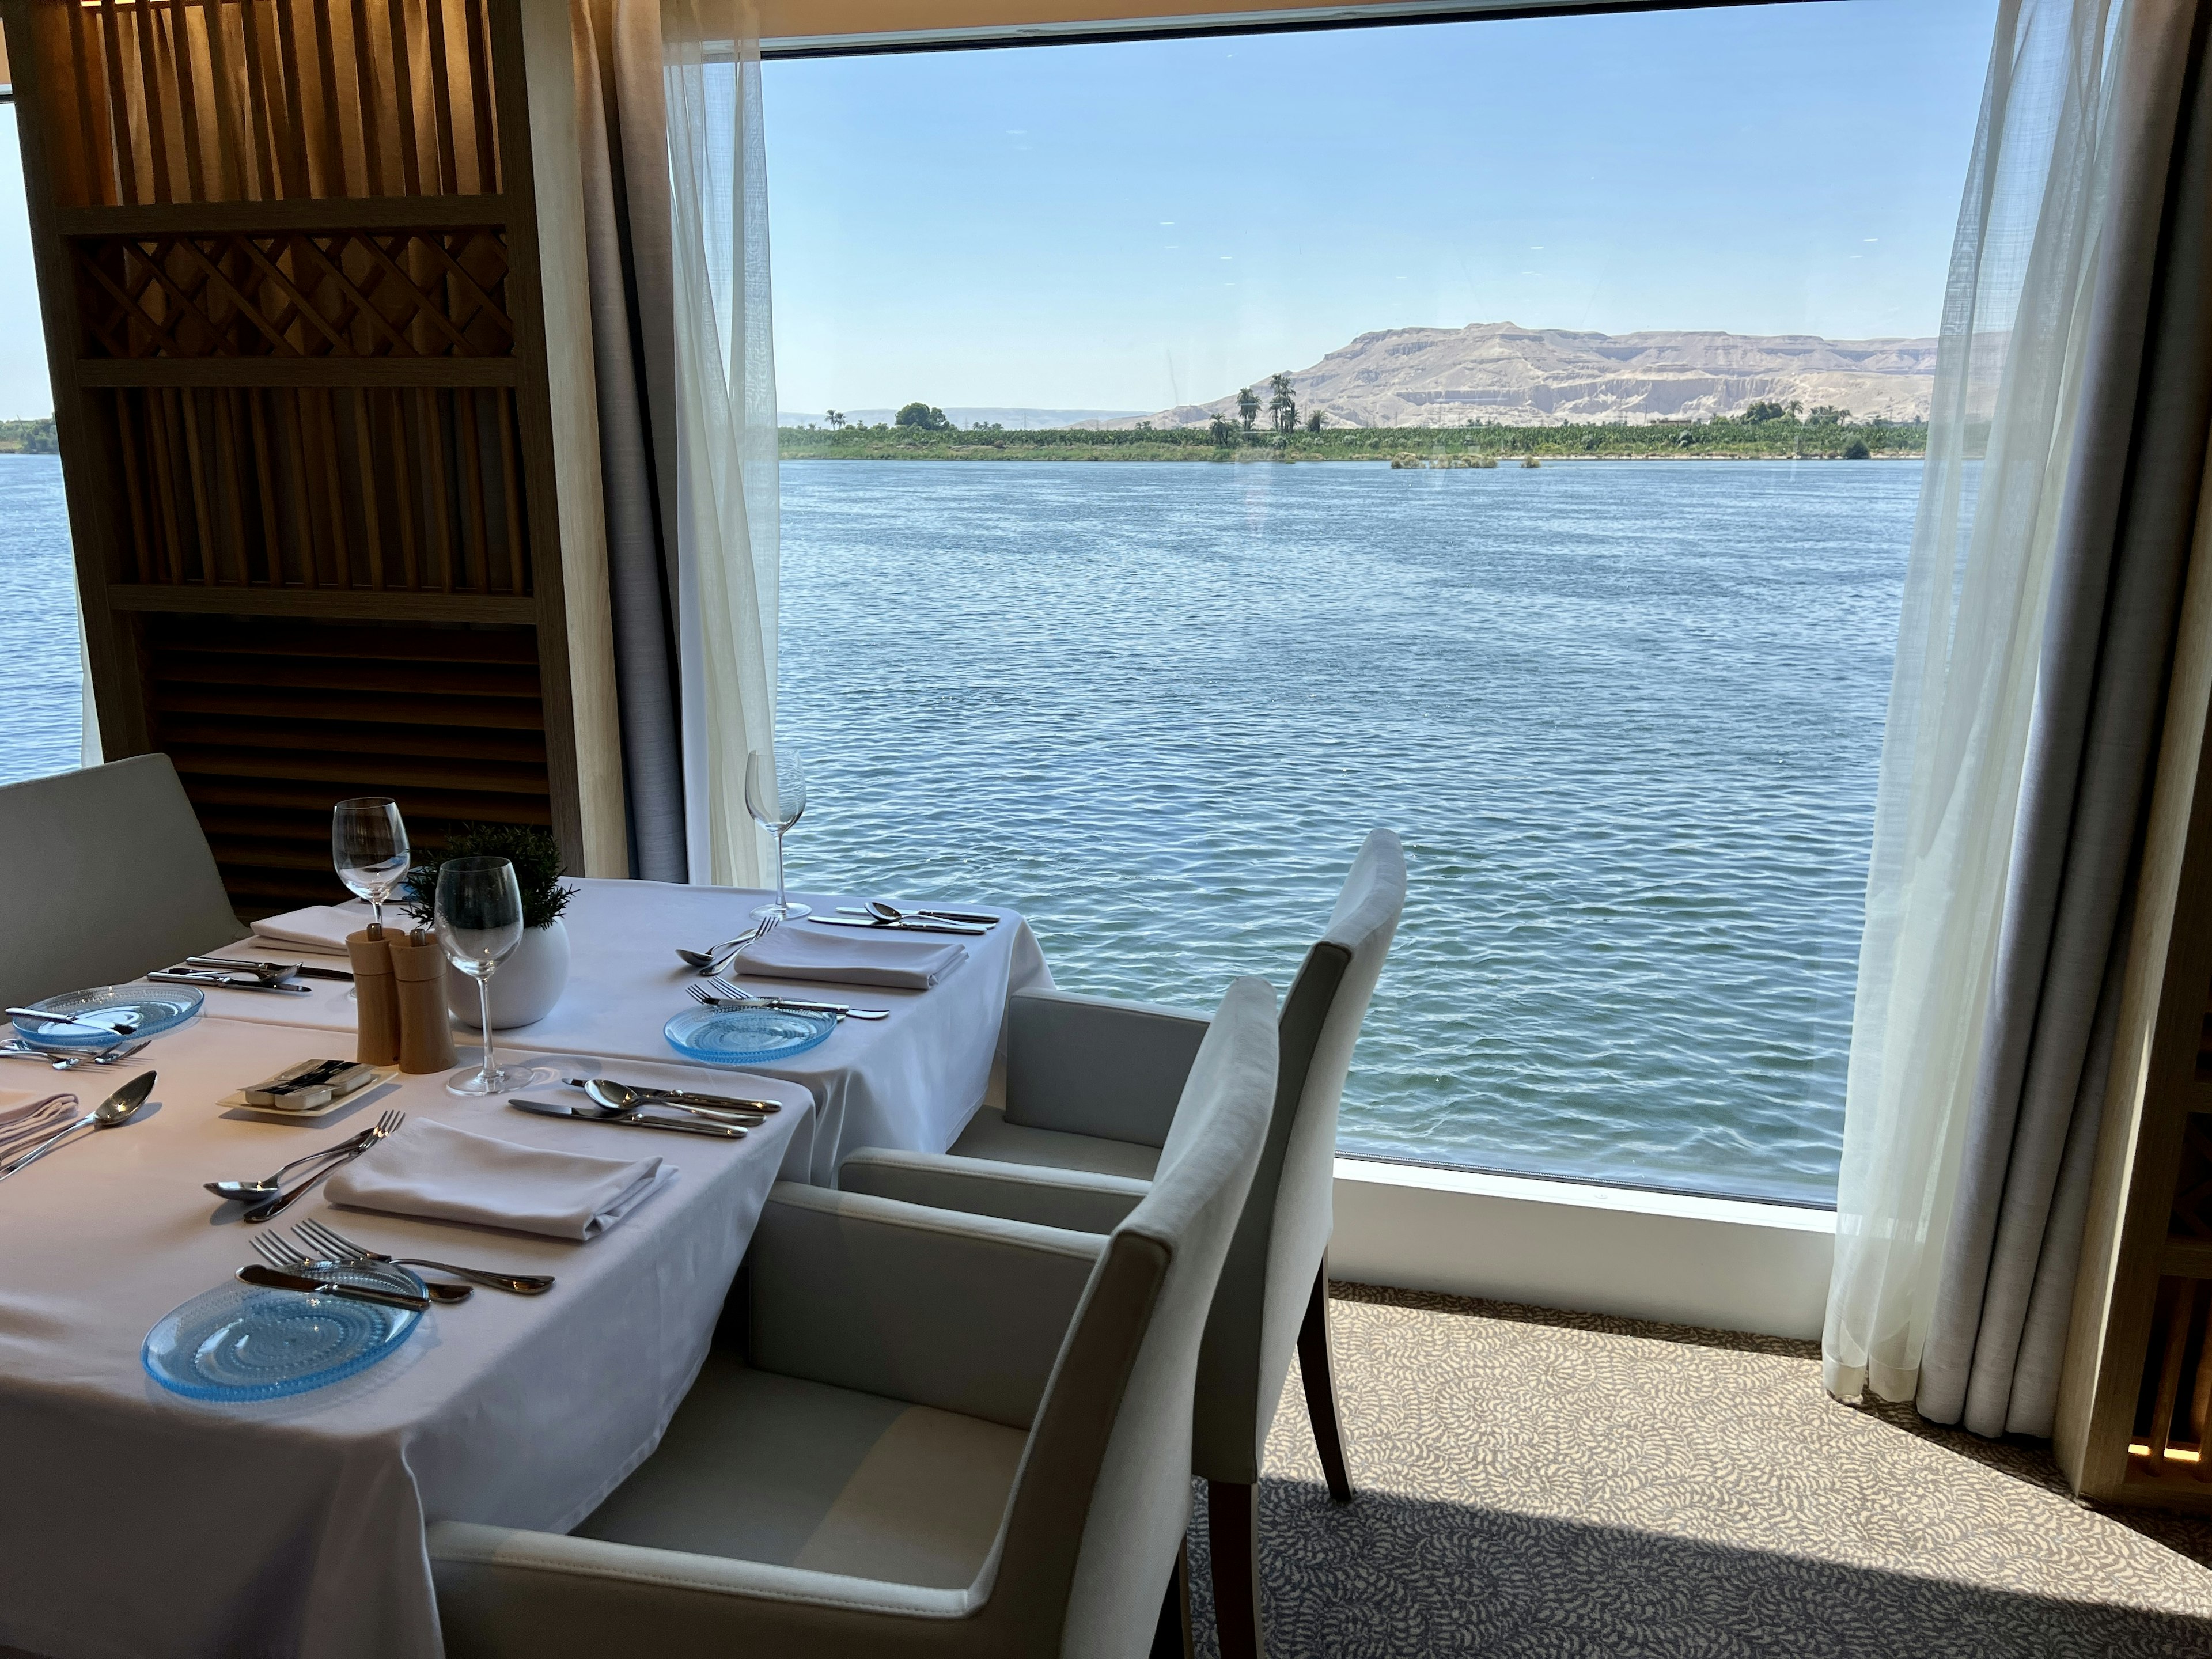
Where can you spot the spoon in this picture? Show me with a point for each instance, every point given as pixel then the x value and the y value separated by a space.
pixel 247 1192
pixel 118 1108
pixel 710 962
pixel 619 1099
pixel 879 911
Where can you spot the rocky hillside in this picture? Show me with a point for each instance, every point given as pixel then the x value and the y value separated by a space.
pixel 1505 374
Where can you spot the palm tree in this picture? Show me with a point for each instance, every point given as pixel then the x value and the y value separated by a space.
pixel 837 421
pixel 1282 408
pixel 1247 407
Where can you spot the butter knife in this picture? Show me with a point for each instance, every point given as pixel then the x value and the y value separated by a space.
pixel 960 927
pixel 274 1278
pixel 631 1121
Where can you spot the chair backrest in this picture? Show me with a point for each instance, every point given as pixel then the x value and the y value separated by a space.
pixel 104 873
pixel 1284 1232
pixel 1102 1500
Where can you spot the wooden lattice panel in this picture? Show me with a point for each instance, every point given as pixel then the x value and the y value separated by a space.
pixel 2174 1410
pixel 270 100
pixel 415 490
pixel 334 294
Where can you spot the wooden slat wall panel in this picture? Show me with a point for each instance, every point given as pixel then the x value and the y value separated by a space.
pixel 270 721
pixel 292 287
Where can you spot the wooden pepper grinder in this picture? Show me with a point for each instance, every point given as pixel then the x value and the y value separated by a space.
pixel 377 995
pixel 426 1029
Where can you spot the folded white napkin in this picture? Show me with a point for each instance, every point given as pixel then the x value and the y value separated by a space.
pixel 319 927
pixel 851 955
pixel 430 1169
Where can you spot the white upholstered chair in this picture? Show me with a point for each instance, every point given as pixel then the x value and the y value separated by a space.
pixel 1091 1093
pixel 950 1434
pixel 107 875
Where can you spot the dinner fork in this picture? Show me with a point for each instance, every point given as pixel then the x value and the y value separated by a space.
pixel 269 1207
pixel 714 961
pixel 316 1237
pixel 286 1259
pixel 41 1119
pixel 719 992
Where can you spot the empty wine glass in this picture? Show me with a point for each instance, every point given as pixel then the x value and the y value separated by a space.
pixel 776 794
pixel 368 848
pixel 479 921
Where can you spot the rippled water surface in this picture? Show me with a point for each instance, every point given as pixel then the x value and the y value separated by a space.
pixel 1625 715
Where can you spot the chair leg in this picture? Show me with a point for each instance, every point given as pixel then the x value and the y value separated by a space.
pixel 1171 1637
pixel 1319 1379
pixel 1232 1532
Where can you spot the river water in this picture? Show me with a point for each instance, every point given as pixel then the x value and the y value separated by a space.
pixel 1625 715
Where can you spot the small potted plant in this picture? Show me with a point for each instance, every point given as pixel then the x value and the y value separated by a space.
pixel 529 982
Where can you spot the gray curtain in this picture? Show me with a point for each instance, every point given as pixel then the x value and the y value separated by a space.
pixel 1998 1334
pixel 623 135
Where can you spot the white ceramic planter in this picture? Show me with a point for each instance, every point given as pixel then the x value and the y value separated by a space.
pixel 525 986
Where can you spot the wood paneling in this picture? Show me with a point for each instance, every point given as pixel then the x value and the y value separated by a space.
pixel 330 524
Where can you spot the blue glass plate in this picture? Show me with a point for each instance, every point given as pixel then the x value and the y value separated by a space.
pixel 745 1037
pixel 155 1010
pixel 242 1342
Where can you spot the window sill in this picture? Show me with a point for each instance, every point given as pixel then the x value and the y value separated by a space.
pixel 1723 1263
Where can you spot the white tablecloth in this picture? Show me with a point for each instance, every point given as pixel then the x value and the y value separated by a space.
pixel 136 1524
pixel 910 1082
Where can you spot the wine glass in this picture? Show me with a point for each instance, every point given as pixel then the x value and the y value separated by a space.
pixel 479 921
pixel 776 794
pixel 368 846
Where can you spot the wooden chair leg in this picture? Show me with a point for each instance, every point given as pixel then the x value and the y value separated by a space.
pixel 1171 1639
pixel 1319 1379
pixel 1232 1532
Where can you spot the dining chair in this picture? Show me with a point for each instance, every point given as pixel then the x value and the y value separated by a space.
pixel 1091 1096
pixel 948 1434
pixel 107 875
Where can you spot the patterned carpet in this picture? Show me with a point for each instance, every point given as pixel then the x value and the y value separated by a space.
pixel 1549 1485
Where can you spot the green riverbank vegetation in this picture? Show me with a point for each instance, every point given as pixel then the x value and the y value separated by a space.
pixel 1763 432
pixel 28 437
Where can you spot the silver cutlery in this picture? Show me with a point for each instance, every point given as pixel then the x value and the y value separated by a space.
pixel 65 1061
pixel 118 1109
pixel 275 1279
pixel 883 911
pixel 269 1206
pixel 718 992
pixel 271 970
pixel 622 1097
pixel 712 961
pixel 122 1028
pixel 229 981
pixel 247 1192
pixel 597 1114
pixel 41 1119
pixel 346 1253
pixel 683 1097
pixel 904 925
pixel 286 1259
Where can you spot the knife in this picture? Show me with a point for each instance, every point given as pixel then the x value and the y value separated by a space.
pixel 683 1097
pixel 984 921
pixel 960 927
pixel 303 969
pixel 548 1108
pixel 228 982
pixel 273 1279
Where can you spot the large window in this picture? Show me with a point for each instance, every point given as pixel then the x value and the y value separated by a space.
pixel 1152 673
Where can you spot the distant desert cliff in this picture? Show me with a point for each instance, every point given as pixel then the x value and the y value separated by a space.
pixel 1503 374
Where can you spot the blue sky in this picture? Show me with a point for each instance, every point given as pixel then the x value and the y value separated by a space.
pixel 1130 226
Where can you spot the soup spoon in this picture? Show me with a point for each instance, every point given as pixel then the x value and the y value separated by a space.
pixel 118 1109
pixel 620 1098
pixel 710 962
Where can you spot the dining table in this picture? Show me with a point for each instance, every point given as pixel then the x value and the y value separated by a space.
pixel 139 1523
pixel 910 1082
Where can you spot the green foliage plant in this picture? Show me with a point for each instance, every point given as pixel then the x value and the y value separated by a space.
pixel 528 847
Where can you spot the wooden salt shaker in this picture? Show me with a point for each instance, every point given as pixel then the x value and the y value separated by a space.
pixel 426 1029
pixel 378 995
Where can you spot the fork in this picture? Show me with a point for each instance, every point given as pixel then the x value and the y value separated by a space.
pixel 41 1119
pixel 286 1259
pixel 385 1126
pixel 717 991
pixel 714 960
pixel 317 1236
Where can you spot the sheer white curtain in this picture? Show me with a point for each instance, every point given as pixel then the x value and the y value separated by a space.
pixel 726 506
pixel 2015 322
